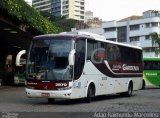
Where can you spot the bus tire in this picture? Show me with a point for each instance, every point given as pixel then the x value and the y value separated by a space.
pixel 129 91
pixel 143 84
pixel 90 93
pixel 51 100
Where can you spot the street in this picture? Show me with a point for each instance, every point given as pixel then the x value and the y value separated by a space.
pixel 13 99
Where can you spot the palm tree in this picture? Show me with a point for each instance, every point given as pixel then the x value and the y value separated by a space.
pixel 156 42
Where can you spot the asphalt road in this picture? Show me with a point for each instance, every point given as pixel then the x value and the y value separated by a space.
pixel 13 100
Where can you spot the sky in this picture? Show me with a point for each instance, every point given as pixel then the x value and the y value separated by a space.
pixel 108 10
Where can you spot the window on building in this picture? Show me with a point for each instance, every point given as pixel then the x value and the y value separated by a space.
pixel 65 2
pixel 111 29
pixel 147 37
pixel 65 11
pixel 155 24
pixel 44 7
pixel 147 25
pixel 134 27
pixel 82 8
pixel 122 34
pixel 82 12
pixel 81 17
pixel 82 3
pixel 65 7
pixel 136 38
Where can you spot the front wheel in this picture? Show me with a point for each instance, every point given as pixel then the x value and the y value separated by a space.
pixel 90 94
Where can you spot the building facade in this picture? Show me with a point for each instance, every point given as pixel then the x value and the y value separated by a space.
pixel 97 30
pixel 28 2
pixel 135 30
pixel 88 15
pixel 74 9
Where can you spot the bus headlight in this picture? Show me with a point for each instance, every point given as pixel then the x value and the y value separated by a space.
pixel 30 87
pixel 64 88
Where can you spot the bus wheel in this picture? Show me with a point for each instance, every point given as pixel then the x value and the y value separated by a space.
pixel 143 84
pixel 90 93
pixel 51 100
pixel 129 91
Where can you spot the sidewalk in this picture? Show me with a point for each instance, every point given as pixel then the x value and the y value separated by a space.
pixel 4 86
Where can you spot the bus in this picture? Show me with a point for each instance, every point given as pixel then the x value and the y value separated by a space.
pixel 81 65
pixel 151 73
pixel 19 72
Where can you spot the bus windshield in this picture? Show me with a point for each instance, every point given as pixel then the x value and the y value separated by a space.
pixel 48 59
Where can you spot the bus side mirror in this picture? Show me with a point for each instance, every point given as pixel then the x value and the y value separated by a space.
pixel 71 57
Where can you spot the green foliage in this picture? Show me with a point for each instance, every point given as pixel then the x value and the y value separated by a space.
pixel 19 10
pixel 65 24
pixel 50 17
pixel 156 42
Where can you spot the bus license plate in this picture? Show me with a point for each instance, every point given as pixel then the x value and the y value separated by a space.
pixel 45 94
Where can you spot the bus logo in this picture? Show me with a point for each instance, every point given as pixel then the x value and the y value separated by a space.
pixel 98 55
pixel 132 68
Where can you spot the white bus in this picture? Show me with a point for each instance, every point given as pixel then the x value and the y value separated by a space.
pixel 81 65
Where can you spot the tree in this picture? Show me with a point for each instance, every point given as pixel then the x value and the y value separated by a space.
pixel 60 21
pixel 51 17
pixel 156 42
pixel 26 17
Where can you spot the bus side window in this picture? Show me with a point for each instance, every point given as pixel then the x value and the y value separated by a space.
pixel 79 57
pixel 158 65
pixel 90 48
pixel 112 52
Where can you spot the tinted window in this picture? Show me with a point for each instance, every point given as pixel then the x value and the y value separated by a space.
pixel 130 55
pixel 112 52
pixel 151 65
pixel 120 53
pixel 79 57
pixel 95 51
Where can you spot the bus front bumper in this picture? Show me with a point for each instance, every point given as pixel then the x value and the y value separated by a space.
pixel 48 93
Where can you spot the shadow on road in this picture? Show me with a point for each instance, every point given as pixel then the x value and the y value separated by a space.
pixel 77 101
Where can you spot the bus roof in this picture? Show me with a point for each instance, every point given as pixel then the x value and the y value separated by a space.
pixel 151 58
pixel 85 35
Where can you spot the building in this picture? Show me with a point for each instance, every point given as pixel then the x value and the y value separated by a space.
pixel 88 15
pixel 28 2
pixel 97 30
pixel 135 30
pixel 91 21
pixel 74 9
pixel 94 23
